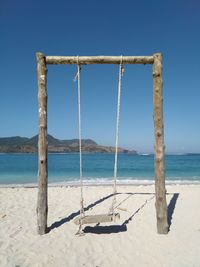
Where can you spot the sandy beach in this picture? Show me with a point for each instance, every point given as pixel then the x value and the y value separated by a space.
pixel 131 241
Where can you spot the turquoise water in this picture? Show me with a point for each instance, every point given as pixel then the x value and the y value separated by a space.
pixel 22 168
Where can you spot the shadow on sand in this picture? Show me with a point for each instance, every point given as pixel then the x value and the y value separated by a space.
pixel 74 214
pixel 115 228
pixel 98 229
pixel 171 208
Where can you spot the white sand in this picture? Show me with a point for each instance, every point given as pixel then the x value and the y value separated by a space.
pixel 134 244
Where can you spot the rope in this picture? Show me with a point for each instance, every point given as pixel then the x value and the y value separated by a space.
pixel 121 71
pixel 77 77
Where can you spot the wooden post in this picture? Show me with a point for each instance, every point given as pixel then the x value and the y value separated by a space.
pixel 42 206
pixel 161 204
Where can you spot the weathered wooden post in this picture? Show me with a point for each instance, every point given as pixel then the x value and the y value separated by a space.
pixel 42 205
pixel 161 203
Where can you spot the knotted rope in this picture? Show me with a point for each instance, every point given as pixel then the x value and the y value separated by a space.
pixel 77 77
pixel 121 71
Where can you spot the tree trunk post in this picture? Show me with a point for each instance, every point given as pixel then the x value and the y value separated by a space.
pixel 42 205
pixel 161 203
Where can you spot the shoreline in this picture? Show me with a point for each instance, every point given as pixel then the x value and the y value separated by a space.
pixel 102 183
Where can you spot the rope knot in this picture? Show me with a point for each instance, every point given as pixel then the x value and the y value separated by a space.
pixel 78 69
pixel 121 66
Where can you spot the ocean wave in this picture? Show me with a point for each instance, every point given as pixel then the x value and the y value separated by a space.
pixel 74 181
pixel 104 182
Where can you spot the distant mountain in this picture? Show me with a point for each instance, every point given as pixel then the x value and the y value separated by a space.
pixel 19 144
pixel 12 141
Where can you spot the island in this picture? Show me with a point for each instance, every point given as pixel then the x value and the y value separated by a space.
pixel 19 144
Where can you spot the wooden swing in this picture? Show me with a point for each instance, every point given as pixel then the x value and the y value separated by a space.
pixel 159 148
pixel 111 216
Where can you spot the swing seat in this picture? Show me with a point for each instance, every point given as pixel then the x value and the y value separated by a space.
pixel 99 218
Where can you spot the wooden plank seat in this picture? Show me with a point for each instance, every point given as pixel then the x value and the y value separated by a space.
pixel 99 218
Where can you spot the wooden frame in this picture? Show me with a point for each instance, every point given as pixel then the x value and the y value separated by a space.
pixel 160 191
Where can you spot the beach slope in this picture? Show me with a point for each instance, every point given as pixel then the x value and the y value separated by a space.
pixel 131 241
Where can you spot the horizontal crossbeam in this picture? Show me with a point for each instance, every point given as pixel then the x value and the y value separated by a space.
pixel 99 59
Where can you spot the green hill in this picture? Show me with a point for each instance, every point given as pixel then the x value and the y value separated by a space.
pixel 19 144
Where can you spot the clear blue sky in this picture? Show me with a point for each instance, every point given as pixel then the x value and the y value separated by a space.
pixel 102 28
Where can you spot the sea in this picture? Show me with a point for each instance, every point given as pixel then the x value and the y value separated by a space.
pixel 98 168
